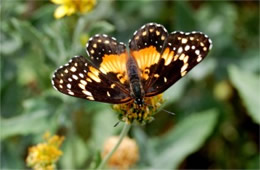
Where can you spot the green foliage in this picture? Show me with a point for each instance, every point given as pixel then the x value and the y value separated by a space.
pixel 169 151
pixel 247 85
pixel 216 106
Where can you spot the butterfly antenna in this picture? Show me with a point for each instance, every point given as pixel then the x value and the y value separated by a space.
pixel 171 113
pixel 117 123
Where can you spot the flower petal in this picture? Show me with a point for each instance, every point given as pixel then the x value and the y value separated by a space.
pixel 71 9
pixel 87 5
pixel 58 1
pixel 61 11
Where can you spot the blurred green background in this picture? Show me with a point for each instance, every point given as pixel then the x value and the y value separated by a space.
pixel 216 105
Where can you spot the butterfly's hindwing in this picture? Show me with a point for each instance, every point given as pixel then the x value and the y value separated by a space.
pixel 181 53
pixel 81 79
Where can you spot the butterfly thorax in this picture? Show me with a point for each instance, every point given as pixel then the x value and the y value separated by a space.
pixel 136 88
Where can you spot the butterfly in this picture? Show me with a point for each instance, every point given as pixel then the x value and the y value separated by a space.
pixel 155 61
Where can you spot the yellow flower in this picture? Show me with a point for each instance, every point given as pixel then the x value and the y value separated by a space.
pixel 69 7
pixel 44 155
pixel 130 112
pixel 125 156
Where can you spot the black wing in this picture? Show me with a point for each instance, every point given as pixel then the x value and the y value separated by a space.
pixel 146 47
pixel 182 52
pixel 79 78
pixel 164 58
pixel 109 56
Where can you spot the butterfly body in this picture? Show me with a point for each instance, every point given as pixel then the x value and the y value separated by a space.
pixel 136 87
pixel 155 61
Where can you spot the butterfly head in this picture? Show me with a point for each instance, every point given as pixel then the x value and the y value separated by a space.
pixel 139 101
pixel 142 112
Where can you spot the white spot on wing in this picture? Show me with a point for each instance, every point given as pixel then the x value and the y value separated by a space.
pixel 73 69
pixel 81 75
pixel 210 46
pixel 187 47
pixel 83 82
pixel 199 58
pixel 180 50
pixel 71 93
pixel 87 93
pixel 75 77
pixel 197 52
pixel 184 40
pixel 82 86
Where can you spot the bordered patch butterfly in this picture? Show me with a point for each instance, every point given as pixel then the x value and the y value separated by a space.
pixel 155 61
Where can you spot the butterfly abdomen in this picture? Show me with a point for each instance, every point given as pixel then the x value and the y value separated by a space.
pixel 136 87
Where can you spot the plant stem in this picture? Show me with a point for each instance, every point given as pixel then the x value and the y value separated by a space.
pixel 122 135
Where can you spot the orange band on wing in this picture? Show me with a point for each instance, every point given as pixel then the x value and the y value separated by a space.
pixel 167 56
pixel 146 57
pixel 94 74
pixel 113 63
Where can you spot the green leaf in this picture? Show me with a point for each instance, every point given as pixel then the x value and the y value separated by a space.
pixel 75 152
pixel 101 27
pixel 247 85
pixel 33 122
pixel 103 126
pixel 10 43
pixel 184 16
pixel 36 38
pixel 34 119
pixel 175 92
pixel 187 137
